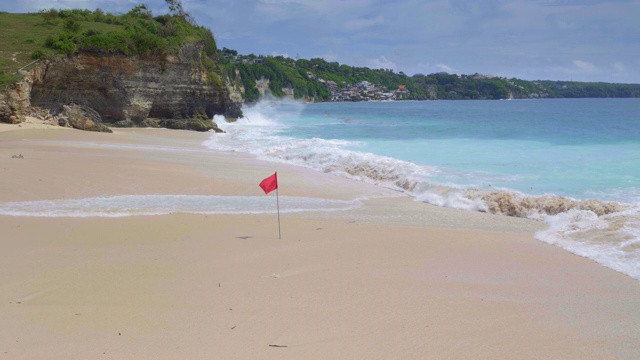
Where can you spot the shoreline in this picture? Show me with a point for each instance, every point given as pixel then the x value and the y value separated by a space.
pixel 393 279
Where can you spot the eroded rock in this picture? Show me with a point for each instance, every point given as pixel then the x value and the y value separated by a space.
pixel 84 118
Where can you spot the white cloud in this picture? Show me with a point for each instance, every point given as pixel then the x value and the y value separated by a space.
pixel 444 67
pixel 275 53
pixel 382 63
pixel 619 67
pixel 586 66
pixel 111 6
pixel 584 2
pixel 328 56
pixel 359 24
pixel 429 68
pixel 334 7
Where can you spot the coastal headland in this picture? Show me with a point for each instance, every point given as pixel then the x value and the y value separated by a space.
pixel 387 278
pixel 90 70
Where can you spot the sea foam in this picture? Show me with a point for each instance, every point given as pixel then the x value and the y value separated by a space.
pixel 263 132
pixel 612 240
pixel 145 205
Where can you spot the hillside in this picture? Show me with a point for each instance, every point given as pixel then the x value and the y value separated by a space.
pixel 133 69
pixel 320 80
pixel 25 35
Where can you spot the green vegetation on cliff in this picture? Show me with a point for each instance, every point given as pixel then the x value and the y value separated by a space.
pixel 132 69
pixel 24 37
pixel 320 80
pixel 138 32
pixel 50 33
pixel 28 37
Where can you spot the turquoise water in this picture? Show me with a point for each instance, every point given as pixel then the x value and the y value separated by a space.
pixel 582 148
pixel 573 163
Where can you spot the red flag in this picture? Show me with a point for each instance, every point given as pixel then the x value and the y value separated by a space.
pixel 269 184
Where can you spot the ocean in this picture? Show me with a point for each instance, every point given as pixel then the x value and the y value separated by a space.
pixel 573 163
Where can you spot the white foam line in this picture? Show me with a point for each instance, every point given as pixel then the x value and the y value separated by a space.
pixel 149 205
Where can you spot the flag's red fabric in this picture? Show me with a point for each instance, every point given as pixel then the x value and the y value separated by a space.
pixel 269 184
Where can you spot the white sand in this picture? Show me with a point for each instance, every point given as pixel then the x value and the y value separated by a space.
pixel 394 279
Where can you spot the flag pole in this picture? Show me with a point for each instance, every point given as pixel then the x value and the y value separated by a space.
pixel 278 204
pixel 269 184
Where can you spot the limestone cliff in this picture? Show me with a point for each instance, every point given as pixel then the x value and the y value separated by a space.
pixel 15 100
pixel 133 90
pixel 235 88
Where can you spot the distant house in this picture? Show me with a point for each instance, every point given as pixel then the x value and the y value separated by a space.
pixel 331 85
pixel 288 91
pixel 253 61
pixel 481 77
pixel 348 93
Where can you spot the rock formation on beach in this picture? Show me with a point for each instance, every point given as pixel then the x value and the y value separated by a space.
pixel 14 102
pixel 82 118
pixel 172 91
pixel 130 70
pixel 135 90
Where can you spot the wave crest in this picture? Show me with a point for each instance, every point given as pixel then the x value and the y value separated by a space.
pixel 518 205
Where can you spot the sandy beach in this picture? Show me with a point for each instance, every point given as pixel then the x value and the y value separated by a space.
pixel 390 279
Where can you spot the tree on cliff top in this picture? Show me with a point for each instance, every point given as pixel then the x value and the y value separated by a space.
pixel 137 32
pixel 175 8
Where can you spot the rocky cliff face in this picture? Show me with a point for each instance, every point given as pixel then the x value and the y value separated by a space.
pixel 135 90
pixel 235 88
pixel 15 100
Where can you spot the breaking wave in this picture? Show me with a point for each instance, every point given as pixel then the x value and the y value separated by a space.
pixel 605 231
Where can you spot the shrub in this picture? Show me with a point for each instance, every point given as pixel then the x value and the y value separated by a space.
pixel 50 16
pixel 115 41
pixel 64 43
pixel 71 25
pixel 98 15
pixel 39 54
pixel 91 32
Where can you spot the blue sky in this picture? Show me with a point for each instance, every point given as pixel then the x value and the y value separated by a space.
pixel 582 40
